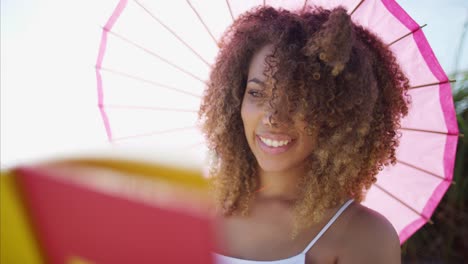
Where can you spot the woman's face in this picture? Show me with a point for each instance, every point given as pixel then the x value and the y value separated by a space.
pixel 282 145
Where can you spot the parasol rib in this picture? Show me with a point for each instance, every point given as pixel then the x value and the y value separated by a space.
pixel 423 170
pixel 203 23
pixel 430 84
pixel 430 131
pixel 153 133
pixel 172 32
pixel 407 34
pixel 358 5
pixel 148 108
pixel 155 55
pixel 403 203
pixel 230 10
pixel 148 81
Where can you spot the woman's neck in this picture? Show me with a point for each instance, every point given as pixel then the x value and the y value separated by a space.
pixel 281 186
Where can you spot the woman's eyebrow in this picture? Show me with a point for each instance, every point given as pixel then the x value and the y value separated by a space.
pixel 257 81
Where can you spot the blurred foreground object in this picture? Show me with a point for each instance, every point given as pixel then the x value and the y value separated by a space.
pixel 104 211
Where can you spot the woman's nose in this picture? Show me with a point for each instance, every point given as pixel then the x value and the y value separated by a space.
pixel 276 118
pixel 269 120
pixel 276 112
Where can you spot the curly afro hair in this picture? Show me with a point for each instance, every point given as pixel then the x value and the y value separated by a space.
pixel 341 79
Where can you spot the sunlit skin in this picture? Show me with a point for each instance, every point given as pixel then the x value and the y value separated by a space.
pixel 278 173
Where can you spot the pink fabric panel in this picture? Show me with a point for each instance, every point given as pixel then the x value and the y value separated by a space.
pixel 427 155
pixel 393 210
pixel 419 37
pixel 425 100
pixel 419 185
pixel 445 91
pixel 373 16
pixel 412 62
pixel 430 59
pixel 405 220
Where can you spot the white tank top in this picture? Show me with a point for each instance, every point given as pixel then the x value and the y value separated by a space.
pixel 297 259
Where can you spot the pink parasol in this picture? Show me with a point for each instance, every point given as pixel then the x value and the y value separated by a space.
pixel 155 57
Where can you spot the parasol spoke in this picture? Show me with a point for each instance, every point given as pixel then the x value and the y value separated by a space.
pixel 432 131
pixel 430 84
pixel 358 5
pixel 407 34
pixel 154 133
pixel 421 169
pixel 148 81
pixel 230 10
pixel 203 23
pixel 172 32
pixel 403 203
pixel 136 107
pixel 154 55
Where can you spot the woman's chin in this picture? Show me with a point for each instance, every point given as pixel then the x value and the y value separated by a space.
pixel 272 166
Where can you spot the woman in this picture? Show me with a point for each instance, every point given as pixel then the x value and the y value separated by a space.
pixel 301 112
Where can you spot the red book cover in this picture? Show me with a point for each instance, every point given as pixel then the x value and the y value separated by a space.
pixel 76 220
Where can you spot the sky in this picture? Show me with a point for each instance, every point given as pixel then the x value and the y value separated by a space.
pixel 48 82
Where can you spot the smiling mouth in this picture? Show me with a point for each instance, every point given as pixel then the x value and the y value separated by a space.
pixel 275 143
pixel 274 147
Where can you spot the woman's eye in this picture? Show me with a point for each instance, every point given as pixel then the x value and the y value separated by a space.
pixel 255 94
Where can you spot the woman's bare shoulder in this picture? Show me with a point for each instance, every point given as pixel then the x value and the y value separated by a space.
pixel 371 238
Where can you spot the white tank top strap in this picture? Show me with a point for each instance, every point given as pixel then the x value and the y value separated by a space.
pixel 324 229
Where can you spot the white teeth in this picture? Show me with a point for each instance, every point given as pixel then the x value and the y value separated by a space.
pixel 274 143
